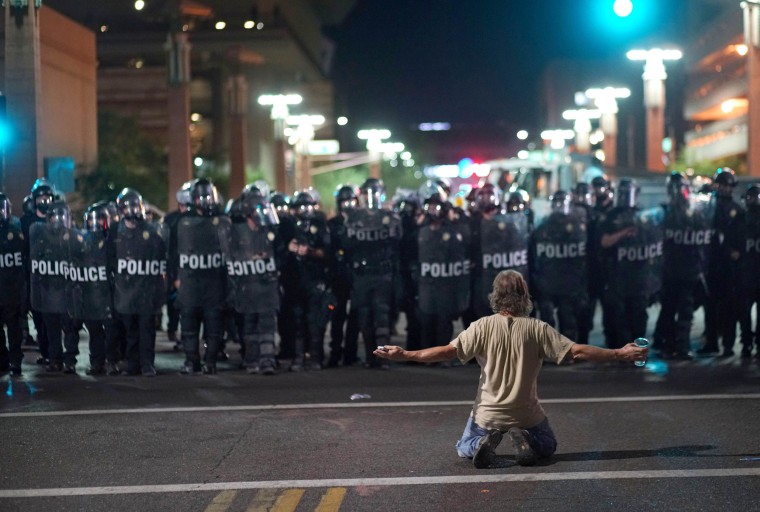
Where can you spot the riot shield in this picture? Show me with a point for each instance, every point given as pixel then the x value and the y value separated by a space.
pixel 89 285
pixel 202 273
pixel 12 273
pixel 49 263
pixel 252 285
pixel 560 255
pixel 638 259
pixel 444 271
pixel 140 272
pixel 503 246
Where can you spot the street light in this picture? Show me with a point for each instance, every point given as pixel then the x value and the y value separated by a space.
pixel 374 138
pixel 557 138
pixel 654 99
pixel 522 134
pixel 582 126
pixel 605 100
pixel 306 125
pixel 280 104
pixel 752 41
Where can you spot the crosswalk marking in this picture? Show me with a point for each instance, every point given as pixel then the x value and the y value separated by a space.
pixel 366 405
pixel 263 501
pixel 222 501
pixel 288 501
pixel 331 500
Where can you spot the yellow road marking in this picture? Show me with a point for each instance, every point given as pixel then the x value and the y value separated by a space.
pixel 263 501
pixel 222 501
pixel 331 500
pixel 288 501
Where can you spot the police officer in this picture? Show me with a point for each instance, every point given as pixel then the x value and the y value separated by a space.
pixel 197 264
pixel 344 324
pixel 444 274
pixel 499 242
pixel 13 260
pixel 35 211
pixel 371 237
pixel 170 222
pixel 138 263
pixel 305 278
pixel 751 267
pixel 632 252
pixel 91 297
pixel 558 251
pixel 518 201
pixel 49 264
pixel 688 236
pixel 724 277
pixel 251 251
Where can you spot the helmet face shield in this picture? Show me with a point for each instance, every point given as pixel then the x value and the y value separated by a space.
pixel 752 197
pixel 627 194
pixel 43 202
pixel 59 216
pixel 5 208
pixel 373 194
pixel 487 199
pixel 130 205
pixel 562 202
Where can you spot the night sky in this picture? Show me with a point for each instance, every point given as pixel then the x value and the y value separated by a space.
pixel 401 62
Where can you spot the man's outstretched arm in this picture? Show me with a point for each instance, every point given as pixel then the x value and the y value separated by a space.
pixel 427 355
pixel 630 352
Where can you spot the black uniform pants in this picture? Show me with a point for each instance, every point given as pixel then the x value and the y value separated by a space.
pixel 102 346
pixel 10 318
pixel 751 297
pixel 343 317
pixel 311 315
pixel 568 310
pixel 190 320
pixel 437 328
pixel 723 306
pixel 172 312
pixel 61 334
pixel 258 338
pixel 141 340
pixel 586 317
pixel 411 311
pixel 628 317
pixel 678 302
pixel 371 296
pixel 42 336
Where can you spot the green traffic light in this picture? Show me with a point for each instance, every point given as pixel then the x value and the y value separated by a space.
pixel 623 8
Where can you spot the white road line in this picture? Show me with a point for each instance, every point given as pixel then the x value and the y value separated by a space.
pixel 386 482
pixel 364 405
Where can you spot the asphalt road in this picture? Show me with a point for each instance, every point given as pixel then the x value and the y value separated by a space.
pixel 670 436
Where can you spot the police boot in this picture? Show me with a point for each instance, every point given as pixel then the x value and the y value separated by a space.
pixel 209 369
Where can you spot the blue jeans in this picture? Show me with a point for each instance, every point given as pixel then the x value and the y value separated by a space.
pixel 541 439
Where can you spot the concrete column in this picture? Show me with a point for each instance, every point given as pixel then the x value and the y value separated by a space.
pixel 752 40
pixel 609 126
pixel 180 162
pixel 654 101
pixel 237 101
pixel 23 159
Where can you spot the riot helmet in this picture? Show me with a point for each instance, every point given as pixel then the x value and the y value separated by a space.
pixel 627 193
pixel 58 215
pixel 183 194
pixel 5 209
pixel 372 193
pixel 259 186
pixel 97 217
pixel 113 211
pixel 562 202
pixel 488 198
pixel 602 191
pixel 408 205
pixel 724 182
pixel 256 207
pixel 679 188
pixel 471 199
pixel 280 203
pixel 435 202
pixel 346 198
pixel 205 197
pixel 752 197
pixel 304 205
pixel 583 194
pixel 28 205
pixel 445 184
pixel 518 201
pixel 130 204
pixel 43 195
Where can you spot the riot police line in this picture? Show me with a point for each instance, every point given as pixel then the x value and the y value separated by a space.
pixel 269 267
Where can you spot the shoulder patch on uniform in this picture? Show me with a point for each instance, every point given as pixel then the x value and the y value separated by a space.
pixel 146 235
pixel 569 227
pixel 732 213
pixel 66 237
pixel 10 236
pixel 459 237
pixel 313 230
pixel 386 220
pixel 100 244
pixel 79 237
pixel 270 236
pixel 446 237
pixel 502 226
pixel 215 221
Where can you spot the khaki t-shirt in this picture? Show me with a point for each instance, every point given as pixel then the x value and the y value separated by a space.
pixel 510 351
